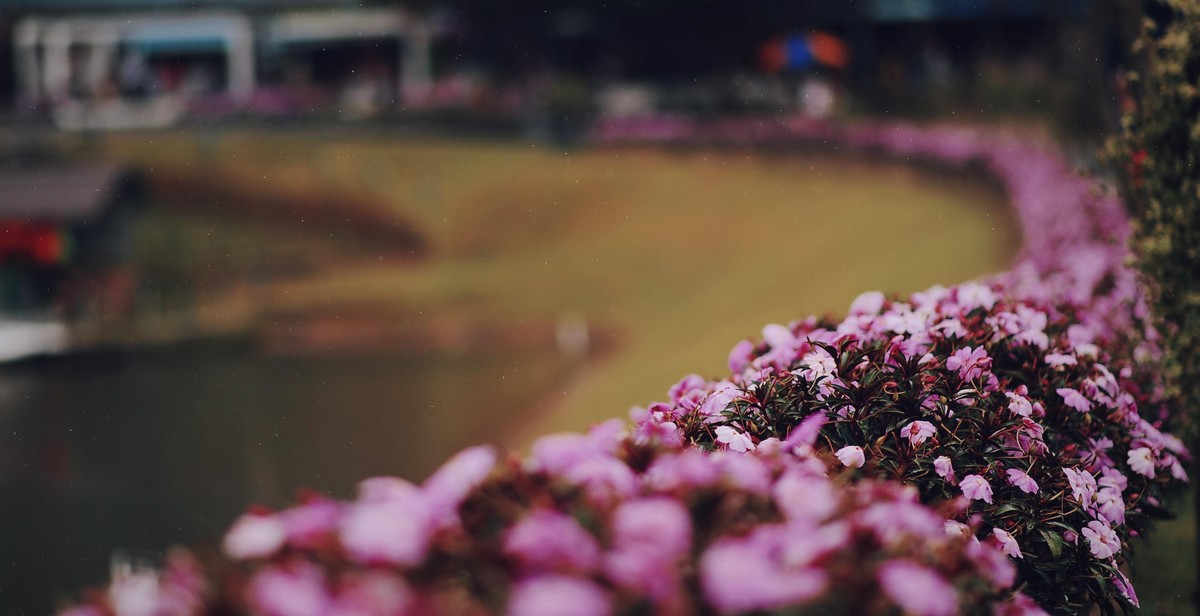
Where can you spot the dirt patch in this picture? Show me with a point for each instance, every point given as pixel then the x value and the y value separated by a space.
pixel 222 191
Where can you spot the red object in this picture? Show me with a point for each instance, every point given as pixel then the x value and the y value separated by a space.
pixel 773 56
pixel 38 241
pixel 829 50
pixel 1137 163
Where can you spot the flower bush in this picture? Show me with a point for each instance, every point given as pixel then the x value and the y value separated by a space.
pixel 597 524
pixel 1036 394
pixel 989 447
pixel 962 394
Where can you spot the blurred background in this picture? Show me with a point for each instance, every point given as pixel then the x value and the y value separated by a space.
pixel 249 247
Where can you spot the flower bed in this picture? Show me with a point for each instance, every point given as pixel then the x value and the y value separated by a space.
pixel 989 447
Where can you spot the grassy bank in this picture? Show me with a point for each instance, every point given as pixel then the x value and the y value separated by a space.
pixel 675 254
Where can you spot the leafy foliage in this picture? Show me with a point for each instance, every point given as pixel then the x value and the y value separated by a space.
pixel 1161 151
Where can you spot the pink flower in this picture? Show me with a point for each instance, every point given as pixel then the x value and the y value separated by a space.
pixel 254 536
pixel 309 523
pixel 975 487
pixel 917 432
pixel 688 469
pixel 1074 399
pixel 1112 478
pixel 650 535
pixel 558 595
pixel 1141 460
pixel 290 592
pixel 807 432
pixel 658 524
pixel 723 393
pixel 917 590
pixel 992 562
pixel 641 573
pixel 1019 479
pixel 1019 405
pixel 867 304
pixel 943 467
pixel 970 363
pixel 1102 541
pixel 805 497
pixel 851 455
pixel 740 356
pixel 1060 359
pixel 1111 506
pixel 1019 604
pixel 547 540
pixel 389 523
pixel 1125 588
pixel 373 593
pixel 734 439
pixel 449 485
pixel 1007 543
pixel 893 521
pixel 745 575
pixel 1083 485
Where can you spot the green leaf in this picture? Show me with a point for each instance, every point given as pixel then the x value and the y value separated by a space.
pixel 1007 508
pixel 1054 541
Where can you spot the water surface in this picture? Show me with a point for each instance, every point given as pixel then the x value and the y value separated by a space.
pixel 140 451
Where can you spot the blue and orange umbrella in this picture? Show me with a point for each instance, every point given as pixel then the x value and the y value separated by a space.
pixel 801 51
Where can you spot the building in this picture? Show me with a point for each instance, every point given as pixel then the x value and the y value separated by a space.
pixel 125 63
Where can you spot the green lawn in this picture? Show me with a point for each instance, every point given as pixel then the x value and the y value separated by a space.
pixel 677 254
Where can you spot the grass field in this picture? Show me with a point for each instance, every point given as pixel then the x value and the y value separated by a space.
pixel 677 254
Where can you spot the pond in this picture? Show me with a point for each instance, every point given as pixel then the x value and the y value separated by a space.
pixel 138 451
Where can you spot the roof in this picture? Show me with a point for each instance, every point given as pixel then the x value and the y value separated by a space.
pixel 65 194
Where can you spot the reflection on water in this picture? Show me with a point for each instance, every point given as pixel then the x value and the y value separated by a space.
pixel 138 451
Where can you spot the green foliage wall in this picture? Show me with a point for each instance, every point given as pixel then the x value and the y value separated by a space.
pixel 1161 152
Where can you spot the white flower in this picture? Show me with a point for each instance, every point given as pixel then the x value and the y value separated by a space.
pixel 1060 359
pixel 918 432
pixel 818 364
pixel 957 529
pixel 254 536
pixel 1019 404
pixel 1141 460
pixel 973 295
pixel 851 455
pixel 734 439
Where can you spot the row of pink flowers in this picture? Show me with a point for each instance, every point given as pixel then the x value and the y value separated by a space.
pixel 966 404
pixel 592 525
pixel 974 449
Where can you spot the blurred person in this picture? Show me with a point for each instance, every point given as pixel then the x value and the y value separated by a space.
pixel 133 74
pixel 817 97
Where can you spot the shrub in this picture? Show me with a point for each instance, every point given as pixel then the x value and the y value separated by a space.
pixel 963 394
pixel 596 524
